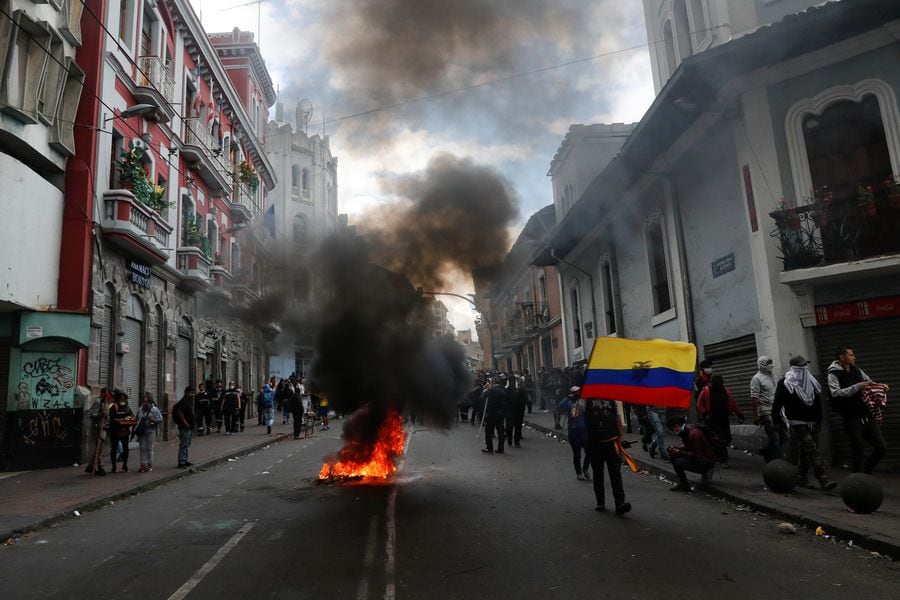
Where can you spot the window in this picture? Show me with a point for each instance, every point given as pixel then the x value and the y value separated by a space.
pixel 62 136
pixel 126 18
pixel 682 30
pixel 235 257
pixel 72 29
pixel 576 316
pixel 609 307
pixel 659 268
pixel 669 47
pixel 700 25
pixel 116 148
pixel 295 176
pixel 304 182
pixel 27 49
pixel 300 229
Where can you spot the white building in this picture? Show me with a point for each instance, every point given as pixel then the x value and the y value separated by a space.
pixel 303 211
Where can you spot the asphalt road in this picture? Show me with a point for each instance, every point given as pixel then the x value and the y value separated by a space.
pixel 455 524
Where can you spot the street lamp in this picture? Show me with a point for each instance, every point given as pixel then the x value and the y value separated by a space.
pixel 131 111
pixel 471 300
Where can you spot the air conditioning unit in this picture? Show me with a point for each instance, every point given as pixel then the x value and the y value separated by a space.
pixel 138 143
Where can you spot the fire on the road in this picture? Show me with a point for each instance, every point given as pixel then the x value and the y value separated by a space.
pixel 358 460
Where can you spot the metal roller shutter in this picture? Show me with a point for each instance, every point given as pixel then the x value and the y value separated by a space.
pixel 878 354
pixel 735 361
pixel 182 365
pixel 153 364
pixel 131 362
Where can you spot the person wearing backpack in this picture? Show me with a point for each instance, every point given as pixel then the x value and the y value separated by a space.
pixel 148 418
pixel 183 417
pixel 604 433
pixel 573 406
pixel 268 407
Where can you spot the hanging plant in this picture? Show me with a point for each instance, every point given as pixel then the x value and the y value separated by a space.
pixel 133 176
pixel 247 174
pixel 195 235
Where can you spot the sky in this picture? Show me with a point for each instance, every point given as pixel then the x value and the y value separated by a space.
pixel 400 82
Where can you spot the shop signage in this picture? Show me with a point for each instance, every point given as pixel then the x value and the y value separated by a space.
pixel 723 265
pixel 877 308
pixel 140 273
pixel 34 331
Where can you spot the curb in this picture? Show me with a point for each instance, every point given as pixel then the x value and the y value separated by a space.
pixel 101 502
pixel 864 540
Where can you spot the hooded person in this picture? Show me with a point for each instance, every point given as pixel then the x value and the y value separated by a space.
pixel 267 402
pixel 716 405
pixel 799 395
pixel 762 397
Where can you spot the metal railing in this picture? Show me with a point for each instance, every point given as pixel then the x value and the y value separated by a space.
pixel 154 73
pixel 197 134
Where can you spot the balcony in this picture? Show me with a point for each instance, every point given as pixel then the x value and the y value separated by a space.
pixel 242 204
pixel 155 86
pixel 135 228
pixel 835 240
pixel 220 277
pixel 194 266
pixel 202 156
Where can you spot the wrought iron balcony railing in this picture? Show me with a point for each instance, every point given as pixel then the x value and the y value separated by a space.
pixel 836 231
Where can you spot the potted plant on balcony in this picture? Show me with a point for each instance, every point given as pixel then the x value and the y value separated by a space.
pixel 247 174
pixel 194 235
pixel 134 177
pixel 786 215
pixel 820 201
pixel 865 199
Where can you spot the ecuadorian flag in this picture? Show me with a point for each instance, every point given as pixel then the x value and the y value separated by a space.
pixel 656 372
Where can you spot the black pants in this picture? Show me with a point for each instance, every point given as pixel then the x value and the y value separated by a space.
pixel 602 453
pixel 242 414
pixel 113 455
pixel 722 429
pixel 204 418
pixel 514 420
pixel 860 431
pixel 298 424
pixel 231 420
pixel 492 423
pixel 218 413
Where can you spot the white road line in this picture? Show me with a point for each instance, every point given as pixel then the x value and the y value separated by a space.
pixel 280 461
pixel 205 570
pixel 176 520
pixel 362 592
pixel 242 481
pixel 201 505
pixel 390 591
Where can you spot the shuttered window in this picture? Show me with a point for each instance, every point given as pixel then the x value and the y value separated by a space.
pixel 106 350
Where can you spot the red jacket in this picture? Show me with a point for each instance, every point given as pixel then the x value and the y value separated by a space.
pixel 703 402
pixel 696 444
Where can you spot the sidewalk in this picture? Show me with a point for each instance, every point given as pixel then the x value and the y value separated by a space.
pixel 743 484
pixel 31 500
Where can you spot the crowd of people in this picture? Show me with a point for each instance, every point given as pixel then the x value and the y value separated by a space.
pixel 789 411
pixel 213 408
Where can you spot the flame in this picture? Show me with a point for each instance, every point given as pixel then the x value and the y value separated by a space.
pixel 362 460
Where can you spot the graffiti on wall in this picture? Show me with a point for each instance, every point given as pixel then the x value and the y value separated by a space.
pixel 48 429
pixel 46 381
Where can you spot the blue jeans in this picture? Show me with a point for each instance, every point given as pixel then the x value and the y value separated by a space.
pixel 689 463
pixel 184 442
pixel 659 437
pixel 578 441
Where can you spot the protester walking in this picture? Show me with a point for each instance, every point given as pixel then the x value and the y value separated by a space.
pixel 762 396
pixel 268 407
pixel 574 408
pixel 148 418
pixel 604 430
pixel 798 393
pixel 183 417
pixel 121 420
pixel 859 400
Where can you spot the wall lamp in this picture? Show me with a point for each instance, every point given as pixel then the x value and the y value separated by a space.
pixel 131 111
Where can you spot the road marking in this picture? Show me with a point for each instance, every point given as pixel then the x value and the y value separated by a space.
pixel 205 570
pixel 280 461
pixel 201 505
pixel 176 520
pixel 277 535
pixel 362 592
pixel 242 482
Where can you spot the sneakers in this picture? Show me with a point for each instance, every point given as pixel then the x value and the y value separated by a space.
pixel 600 508
pixel 487 450
pixel 587 476
pixel 623 508
pixel 580 476
pixel 681 487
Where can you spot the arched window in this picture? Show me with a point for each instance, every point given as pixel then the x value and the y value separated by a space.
pixel 698 18
pixel 669 47
pixel 295 176
pixel 682 30
pixel 235 257
pixel 300 229
pixel 304 180
pixel 658 259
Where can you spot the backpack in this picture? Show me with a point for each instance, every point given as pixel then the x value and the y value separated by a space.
pixel 175 410
pixel 267 401
pixel 577 409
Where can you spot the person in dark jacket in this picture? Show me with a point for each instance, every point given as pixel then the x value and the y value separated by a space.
pixel 477 397
pixel 515 418
pixel 121 419
pixel 230 407
pixel 601 421
pixel 216 398
pixel 495 409
pixel 715 405
pixel 696 454
pixel 294 404
pixel 847 385
pixel 204 410
pixel 574 408
pixel 183 416
pixel 799 394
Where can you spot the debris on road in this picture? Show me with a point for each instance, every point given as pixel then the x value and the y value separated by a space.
pixel 786 528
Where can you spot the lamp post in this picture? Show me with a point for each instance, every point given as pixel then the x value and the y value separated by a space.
pixel 131 111
pixel 471 301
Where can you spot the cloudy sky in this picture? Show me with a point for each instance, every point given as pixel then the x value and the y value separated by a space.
pixel 399 82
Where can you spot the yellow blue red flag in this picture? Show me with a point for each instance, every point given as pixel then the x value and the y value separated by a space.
pixel 657 372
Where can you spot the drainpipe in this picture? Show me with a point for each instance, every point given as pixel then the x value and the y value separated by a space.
pixel 591 280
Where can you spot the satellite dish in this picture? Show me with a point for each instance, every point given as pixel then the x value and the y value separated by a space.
pixel 305 111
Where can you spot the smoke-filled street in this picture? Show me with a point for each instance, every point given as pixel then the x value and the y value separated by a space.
pixel 455 523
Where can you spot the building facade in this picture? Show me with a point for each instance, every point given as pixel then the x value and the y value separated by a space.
pixel 754 208
pixel 302 212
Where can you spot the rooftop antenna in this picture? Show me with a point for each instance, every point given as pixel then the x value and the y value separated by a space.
pixel 304 113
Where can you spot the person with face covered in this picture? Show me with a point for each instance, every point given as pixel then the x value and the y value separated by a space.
pixel 762 396
pixel 799 394
pixel 495 409
pixel 716 405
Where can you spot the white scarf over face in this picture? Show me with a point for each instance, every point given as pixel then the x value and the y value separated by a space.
pixel 801 382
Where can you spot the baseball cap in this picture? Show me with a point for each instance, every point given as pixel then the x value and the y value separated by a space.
pixel 799 361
